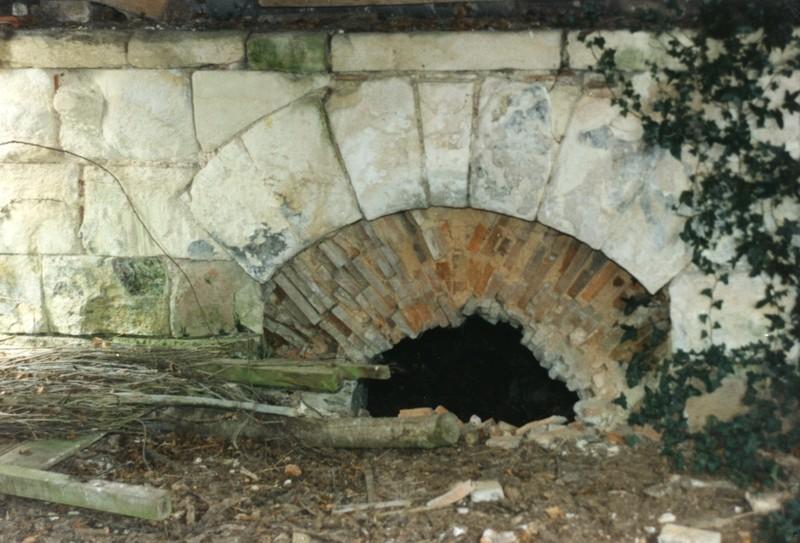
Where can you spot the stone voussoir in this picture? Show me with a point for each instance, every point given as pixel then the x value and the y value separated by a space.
pixel 65 49
pixel 182 49
pixel 446 51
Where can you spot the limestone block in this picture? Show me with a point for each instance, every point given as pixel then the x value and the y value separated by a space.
pixel 39 208
pixel 111 228
pixel 274 189
pixel 127 114
pixel 633 49
pixel 180 49
pixel 227 102
pixel 447 51
pixel 514 148
pixel 223 289
pixel 614 194
pixel 64 49
pixel 446 111
pixel 740 322
pixel 375 125
pixel 675 533
pixel 96 295
pixel 26 112
pixel 21 310
pixel 287 51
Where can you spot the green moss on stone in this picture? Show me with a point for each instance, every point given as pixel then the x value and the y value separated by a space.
pixel 141 276
pixel 288 52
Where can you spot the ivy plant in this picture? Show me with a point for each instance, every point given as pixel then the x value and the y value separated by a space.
pixel 718 97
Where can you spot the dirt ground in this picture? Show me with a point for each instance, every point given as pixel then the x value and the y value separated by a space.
pixel 589 490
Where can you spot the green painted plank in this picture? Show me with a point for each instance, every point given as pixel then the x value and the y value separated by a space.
pixel 46 453
pixel 131 500
pixel 281 373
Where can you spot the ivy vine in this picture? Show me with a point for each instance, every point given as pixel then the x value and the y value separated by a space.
pixel 715 99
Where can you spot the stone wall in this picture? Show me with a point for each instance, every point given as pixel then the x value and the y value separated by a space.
pixel 239 151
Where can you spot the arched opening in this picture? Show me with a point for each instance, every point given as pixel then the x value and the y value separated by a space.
pixel 477 368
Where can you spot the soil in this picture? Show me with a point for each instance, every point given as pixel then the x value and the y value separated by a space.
pixel 596 490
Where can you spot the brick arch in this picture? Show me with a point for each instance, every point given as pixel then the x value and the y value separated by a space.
pixel 361 290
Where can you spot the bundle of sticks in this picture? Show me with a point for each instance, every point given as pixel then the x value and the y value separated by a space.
pixel 71 389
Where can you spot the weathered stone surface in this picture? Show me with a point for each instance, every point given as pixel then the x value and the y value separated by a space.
pixel 126 114
pixel 514 148
pixel 111 228
pixel 64 49
pixel 94 295
pixel 633 49
pixel 68 11
pixel 789 135
pixel 283 186
pixel 227 102
pixel 446 111
pixel 178 49
pixel 287 51
pixel 39 208
pixel 375 125
pixel 21 310
pixel 222 289
pixel 610 192
pixel 724 403
pixel 26 112
pixel 740 322
pixel 535 50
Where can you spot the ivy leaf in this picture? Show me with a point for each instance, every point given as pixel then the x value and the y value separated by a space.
pixel 630 333
pixel 706 292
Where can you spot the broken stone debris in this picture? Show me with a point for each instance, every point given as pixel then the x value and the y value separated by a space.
pixel 675 533
pixel 487 491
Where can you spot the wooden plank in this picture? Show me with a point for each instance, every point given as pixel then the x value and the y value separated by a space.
pixel 351 3
pixel 130 500
pixel 46 453
pixel 279 373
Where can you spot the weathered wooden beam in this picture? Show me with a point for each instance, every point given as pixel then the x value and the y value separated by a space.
pixel 280 373
pixel 131 500
pixel 153 9
pixel 46 453
pixel 359 433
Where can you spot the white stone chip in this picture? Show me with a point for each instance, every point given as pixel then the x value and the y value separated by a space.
pixel 514 148
pixel 666 518
pixel 375 126
pixel 447 51
pixel 127 114
pixel 446 110
pixel 487 491
pixel 675 533
pixel 226 102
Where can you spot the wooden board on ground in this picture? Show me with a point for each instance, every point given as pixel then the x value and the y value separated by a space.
pixel 131 500
pixel 46 453
pixel 318 376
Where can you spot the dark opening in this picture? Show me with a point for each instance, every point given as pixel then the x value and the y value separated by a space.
pixel 478 368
